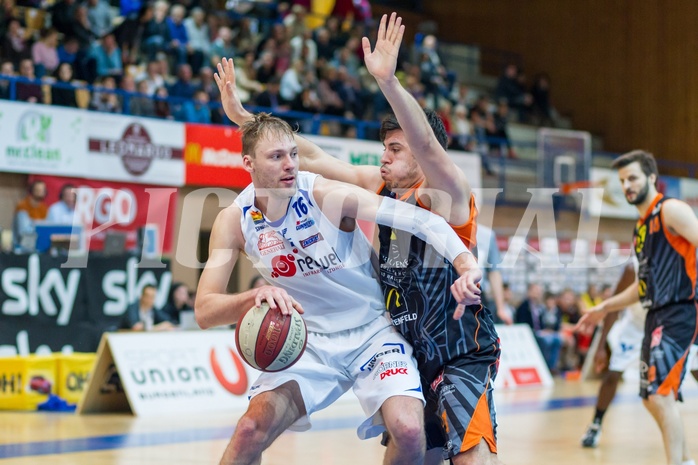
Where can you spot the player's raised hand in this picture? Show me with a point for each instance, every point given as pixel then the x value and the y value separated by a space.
pixel 225 78
pixel 277 298
pixel 382 61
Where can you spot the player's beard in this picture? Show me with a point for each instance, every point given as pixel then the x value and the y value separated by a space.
pixel 642 195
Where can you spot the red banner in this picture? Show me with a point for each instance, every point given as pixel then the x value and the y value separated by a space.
pixel 213 158
pixel 118 206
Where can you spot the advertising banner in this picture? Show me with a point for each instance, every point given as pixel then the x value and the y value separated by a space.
pixel 521 363
pixel 46 308
pixel 114 206
pixel 162 373
pixel 213 158
pixel 131 149
pixel 42 139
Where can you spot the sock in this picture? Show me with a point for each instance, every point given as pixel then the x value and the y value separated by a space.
pixel 598 416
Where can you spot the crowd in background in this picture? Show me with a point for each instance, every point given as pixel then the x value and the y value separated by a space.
pixel 157 59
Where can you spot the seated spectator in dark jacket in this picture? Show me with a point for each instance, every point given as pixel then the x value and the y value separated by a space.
pixel 509 88
pixel 534 313
pixel 177 302
pixel 162 106
pixel 6 69
pixel 28 91
pixel 107 102
pixel 142 104
pixel 143 316
pixel 14 46
pixel 271 98
pixel 62 95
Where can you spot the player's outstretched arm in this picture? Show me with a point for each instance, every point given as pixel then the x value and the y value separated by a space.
pixel 595 314
pixel 439 170
pixel 340 201
pixel 312 157
pixel 214 306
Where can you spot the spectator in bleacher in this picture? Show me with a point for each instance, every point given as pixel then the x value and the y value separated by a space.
pixel 463 95
pixel 199 37
pixel 292 81
pixel 60 95
pixel 271 98
pixel 492 282
pixel 156 35
pixel 162 106
pixel 576 345
pixel 6 69
pixel 143 316
pixel 483 124
pixel 28 91
pixel 28 211
pixel 501 144
pixel 107 56
pixel 179 45
pixel 531 312
pixel 346 57
pixel 177 302
pixel 222 46
pixel 183 87
pixel 509 87
pixel 265 67
pixel 68 50
pixel 283 58
pixel 130 33
pixel 45 53
pixel 509 307
pixel 128 85
pixel 152 76
pixel 325 49
pixel 14 45
pixel 80 27
pixel 244 40
pixel 142 104
pixel 542 113
pixel 196 110
pixel 462 129
pixel 62 14
pixel 338 38
pixel 295 21
pixel 207 83
pixel 246 82
pixel 349 91
pixel 63 209
pixel 107 102
pixel 100 16
pixel 332 101
pixel 303 47
pixel 358 10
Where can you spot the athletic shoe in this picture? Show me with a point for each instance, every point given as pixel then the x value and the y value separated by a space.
pixel 592 436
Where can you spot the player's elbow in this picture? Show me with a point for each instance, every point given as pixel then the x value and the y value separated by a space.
pixel 202 311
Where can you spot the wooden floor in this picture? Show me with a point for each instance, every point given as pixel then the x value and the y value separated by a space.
pixel 541 427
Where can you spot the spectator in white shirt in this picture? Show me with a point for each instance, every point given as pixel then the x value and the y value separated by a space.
pixel 63 210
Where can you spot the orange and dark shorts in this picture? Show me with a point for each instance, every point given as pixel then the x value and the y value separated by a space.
pixel 669 333
pixel 460 408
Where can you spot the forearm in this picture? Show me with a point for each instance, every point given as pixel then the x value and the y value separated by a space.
pixel 623 299
pixel 425 225
pixel 409 113
pixel 223 309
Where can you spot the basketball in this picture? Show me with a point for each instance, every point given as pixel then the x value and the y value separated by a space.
pixel 270 341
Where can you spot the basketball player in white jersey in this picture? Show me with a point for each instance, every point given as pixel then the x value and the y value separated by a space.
pixel 299 231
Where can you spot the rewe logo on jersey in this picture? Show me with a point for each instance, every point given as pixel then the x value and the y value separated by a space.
pixel 287 265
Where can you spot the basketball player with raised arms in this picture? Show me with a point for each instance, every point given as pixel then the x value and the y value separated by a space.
pixel 665 240
pixel 457 355
pixel 299 230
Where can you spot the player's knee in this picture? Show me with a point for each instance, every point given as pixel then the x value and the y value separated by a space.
pixel 408 432
pixel 249 431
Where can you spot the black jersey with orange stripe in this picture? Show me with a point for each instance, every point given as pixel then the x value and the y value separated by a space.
pixel 416 284
pixel 667 261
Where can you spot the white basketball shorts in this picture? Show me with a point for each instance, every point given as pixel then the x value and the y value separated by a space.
pixel 374 360
pixel 625 341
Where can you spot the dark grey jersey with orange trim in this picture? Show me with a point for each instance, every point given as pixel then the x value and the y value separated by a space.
pixel 667 262
pixel 416 284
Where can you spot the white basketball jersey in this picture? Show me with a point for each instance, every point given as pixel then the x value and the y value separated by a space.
pixel 328 271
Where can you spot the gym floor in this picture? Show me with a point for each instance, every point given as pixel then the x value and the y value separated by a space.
pixel 537 426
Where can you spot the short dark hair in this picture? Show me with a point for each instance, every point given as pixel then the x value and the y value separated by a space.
pixel 148 286
pixel 646 160
pixel 390 123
